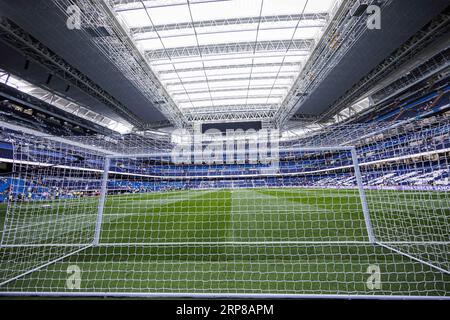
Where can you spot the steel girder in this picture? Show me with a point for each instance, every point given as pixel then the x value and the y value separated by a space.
pixel 438 26
pixel 330 50
pixel 233 108
pixel 236 115
pixel 44 101
pixel 229 79
pixel 122 52
pixel 232 66
pixel 128 5
pixel 255 96
pixel 229 48
pixel 341 34
pixel 320 17
pixel 274 54
pixel 33 49
pixel 304 118
pixel 157 124
pixel 306 45
pixel 228 89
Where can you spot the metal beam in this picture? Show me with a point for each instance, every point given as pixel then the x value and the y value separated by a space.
pixel 130 5
pixel 304 117
pixel 263 107
pixel 39 103
pixel 232 74
pixel 341 34
pixel 158 124
pixel 280 54
pixel 321 17
pixel 167 84
pixel 122 52
pixel 233 66
pixel 33 49
pixel 220 117
pixel 226 89
pixel 231 113
pixel 256 96
pixel 229 48
pixel 188 32
pixel 438 27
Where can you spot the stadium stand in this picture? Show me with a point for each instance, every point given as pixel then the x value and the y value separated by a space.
pixel 416 137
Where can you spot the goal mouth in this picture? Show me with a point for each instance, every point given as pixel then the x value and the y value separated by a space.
pixel 328 222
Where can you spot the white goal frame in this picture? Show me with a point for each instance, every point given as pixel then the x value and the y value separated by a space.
pixel 355 166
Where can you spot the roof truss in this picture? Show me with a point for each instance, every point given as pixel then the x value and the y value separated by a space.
pixel 319 18
pixel 228 61
pixel 230 48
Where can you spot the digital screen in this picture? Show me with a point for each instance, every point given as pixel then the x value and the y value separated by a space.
pixel 223 127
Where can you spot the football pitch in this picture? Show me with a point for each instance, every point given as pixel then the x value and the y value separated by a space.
pixel 256 241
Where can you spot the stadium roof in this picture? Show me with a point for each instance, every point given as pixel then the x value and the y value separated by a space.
pixel 63 103
pixel 150 64
pixel 224 56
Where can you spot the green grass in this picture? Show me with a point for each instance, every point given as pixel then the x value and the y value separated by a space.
pixel 298 241
pixel 2 214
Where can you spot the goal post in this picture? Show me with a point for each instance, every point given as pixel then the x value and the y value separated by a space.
pixel 101 201
pixel 362 195
pixel 51 198
pixel 352 165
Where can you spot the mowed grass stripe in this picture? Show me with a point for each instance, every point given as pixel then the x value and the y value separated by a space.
pixel 201 217
pixel 264 269
pixel 237 268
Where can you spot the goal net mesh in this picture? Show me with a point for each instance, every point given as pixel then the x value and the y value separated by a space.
pixel 111 217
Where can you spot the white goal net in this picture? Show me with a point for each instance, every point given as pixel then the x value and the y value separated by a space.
pixel 335 216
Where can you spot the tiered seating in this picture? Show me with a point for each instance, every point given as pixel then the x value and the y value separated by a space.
pixel 385 158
